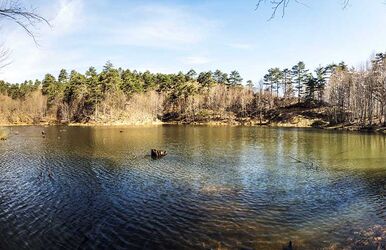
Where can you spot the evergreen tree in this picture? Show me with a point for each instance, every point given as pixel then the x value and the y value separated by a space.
pixel 235 78
pixel 268 81
pixel 93 86
pixel 110 78
pixel 205 79
pixel 191 75
pixel 63 76
pixel 299 73
pixel 108 66
pixel 131 83
pixel 287 81
pixel 148 80
pixel 311 84
pixel 321 78
pixel 220 77
pixel 250 84
pixel 49 87
pixel 273 80
pixel 277 76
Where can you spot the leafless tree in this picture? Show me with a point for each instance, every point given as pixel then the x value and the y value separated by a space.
pixel 22 16
pixel 27 19
pixel 281 5
pixel 4 56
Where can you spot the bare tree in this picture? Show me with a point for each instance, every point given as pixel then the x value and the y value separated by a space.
pixel 4 56
pixel 276 6
pixel 281 5
pixel 24 17
pixel 27 19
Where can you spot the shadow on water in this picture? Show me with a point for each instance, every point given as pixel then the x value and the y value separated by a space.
pixel 232 187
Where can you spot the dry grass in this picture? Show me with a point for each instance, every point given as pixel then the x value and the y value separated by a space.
pixel 4 132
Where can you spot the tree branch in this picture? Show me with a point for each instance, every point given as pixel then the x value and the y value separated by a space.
pixel 12 10
pixel 281 5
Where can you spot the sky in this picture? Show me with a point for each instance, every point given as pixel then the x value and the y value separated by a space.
pixel 169 36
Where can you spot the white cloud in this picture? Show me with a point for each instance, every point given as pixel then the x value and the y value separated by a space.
pixel 81 36
pixel 161 27
pixel 69 17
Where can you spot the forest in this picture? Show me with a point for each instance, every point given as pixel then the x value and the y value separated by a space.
pixel 333 95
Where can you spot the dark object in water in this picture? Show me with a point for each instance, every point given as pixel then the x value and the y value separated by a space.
pixel 120 131
pixel 43 133
pixel 289 247
pixel 157 154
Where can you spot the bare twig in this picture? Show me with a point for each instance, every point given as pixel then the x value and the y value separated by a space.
pixel 25 18
pixel 276 5
pixel 13 11
pixel 4 56
pixel 281 5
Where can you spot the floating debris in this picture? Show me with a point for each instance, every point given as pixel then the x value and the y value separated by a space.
pixel 157 154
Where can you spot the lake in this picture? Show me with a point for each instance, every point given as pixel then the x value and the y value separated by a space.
pixel 218 187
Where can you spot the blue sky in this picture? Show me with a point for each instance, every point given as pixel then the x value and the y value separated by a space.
pixel 177 35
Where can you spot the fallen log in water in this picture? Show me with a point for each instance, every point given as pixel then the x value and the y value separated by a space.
pixel 157 154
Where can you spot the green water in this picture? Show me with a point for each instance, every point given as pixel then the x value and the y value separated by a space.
pixel 235 187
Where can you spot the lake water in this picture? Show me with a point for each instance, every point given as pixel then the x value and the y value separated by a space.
pixel 218 187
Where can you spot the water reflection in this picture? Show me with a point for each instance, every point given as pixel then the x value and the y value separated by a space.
pixel 85 187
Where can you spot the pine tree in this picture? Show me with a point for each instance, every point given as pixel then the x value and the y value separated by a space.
pixel 220 77
pixel 311 84
pixel 49 87
pixel 191 75
pixel 268 81
pixel 235 78
pixel 63 76
pixel 205 79
pixel 321 78
pixel 299 73
pixel 287 81
pixel 250 84
pixel 277 76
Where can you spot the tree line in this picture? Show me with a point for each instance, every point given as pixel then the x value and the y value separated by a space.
pixel 344 95
pixel 300 82
pixel 80 97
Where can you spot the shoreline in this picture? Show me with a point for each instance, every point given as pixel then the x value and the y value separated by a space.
pixel 350 128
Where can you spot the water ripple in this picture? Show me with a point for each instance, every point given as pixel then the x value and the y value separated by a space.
pixel 96 188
